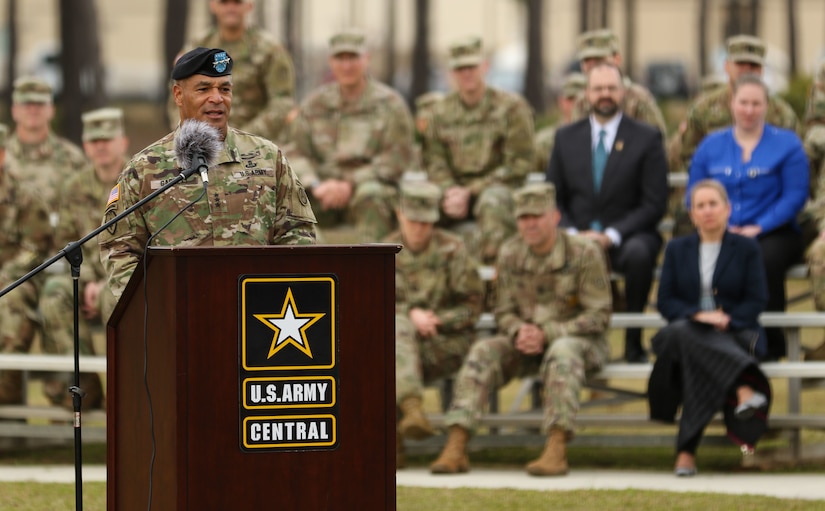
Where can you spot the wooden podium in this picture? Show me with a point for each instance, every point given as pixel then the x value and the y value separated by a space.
pixel 271 372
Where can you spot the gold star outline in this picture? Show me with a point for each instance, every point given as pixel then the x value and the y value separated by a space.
pixel 290 326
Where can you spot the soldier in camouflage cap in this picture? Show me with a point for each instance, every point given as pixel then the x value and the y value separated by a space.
pixel 82 199
pixel 480 148
pixel 255 197
pixel 39 159
pixel 351 141
pixel 263 78
pixel 552 313
pixel 25 241
pixel 573 85
pixel 438 300
pixel 602 45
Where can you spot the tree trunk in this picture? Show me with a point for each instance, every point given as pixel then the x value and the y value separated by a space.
pixel 11 63
pixel 389 43
pixel 630 37
pixel 174 37
pixel 83 87
pixel 703 37
pixel 291 16
pixel 421 54
pixel 792 50
pixel 534 74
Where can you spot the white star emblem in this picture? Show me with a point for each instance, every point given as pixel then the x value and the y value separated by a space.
pixel 290 326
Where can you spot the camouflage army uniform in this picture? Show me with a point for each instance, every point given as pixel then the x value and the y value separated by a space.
pixel 254 198
pixel 567 294
pixel 263 81
pixel 489 149
pixel 638 103
pixel 44 167
pixel 815 125
pixel 25 242
pixel 83 198
pixel 423 116
pixel 368 142
pixel 443 278
pixel 544 140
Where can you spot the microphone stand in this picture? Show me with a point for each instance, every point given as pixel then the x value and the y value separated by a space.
pixel 72 253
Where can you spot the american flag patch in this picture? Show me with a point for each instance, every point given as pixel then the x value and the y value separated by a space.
pixel 114 195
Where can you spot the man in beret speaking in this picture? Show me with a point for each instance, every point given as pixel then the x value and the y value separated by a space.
pixel 254 196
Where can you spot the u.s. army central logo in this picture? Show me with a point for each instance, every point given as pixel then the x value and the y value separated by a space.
pixel 287 323
pixel 288 375
pixel 290 326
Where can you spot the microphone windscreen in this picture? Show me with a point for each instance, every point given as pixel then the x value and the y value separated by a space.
pixel 196 138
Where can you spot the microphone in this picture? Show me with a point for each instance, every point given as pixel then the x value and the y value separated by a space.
pixel 196 147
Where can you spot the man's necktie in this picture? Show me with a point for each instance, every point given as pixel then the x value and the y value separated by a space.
pixel 599 161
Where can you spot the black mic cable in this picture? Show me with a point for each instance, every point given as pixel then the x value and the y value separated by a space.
pixel 146 326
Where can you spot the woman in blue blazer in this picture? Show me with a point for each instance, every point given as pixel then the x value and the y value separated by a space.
pixel 711 292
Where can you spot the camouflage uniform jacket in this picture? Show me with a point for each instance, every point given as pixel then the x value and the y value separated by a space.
pixel 44 167
pixel 491 142
pixel 566 292
pixel 815 106
pixel 442 278
pixel 366 140
pixel 711 112
pixel 638 103
pixel 815 128
pixel 263 80
pixel 254 198
pixel 25 232
pixel 544 140
pixel 82 200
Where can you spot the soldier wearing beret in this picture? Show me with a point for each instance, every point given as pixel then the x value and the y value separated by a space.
pixel 438 300
pixel 480 149
pixel 552 313
pixel 38 158
pixel 352 140
pixel 82 199
pixel 263 76
pixel 25 241
pixel 254 196
pixel 602 45
pixel 573 85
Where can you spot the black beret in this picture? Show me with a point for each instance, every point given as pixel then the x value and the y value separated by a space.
pixel 203 61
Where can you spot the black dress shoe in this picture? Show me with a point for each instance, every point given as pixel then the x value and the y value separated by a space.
pixel 746 410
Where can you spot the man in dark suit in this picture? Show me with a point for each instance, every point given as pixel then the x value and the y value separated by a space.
pixel 610 173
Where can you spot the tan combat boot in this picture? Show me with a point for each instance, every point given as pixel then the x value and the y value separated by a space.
pixel 453 458
pixel 553 461
pixel 400 457
pixel 11 387
pixel 414 423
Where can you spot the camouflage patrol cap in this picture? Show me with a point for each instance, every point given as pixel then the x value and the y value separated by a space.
pixel 350 40
pixel 419 200
pixel 212 62
pixel 534 199
pixel 746 48
pixel 597 43
pixel 102 124
pixel 30 89
pixel 573 84
pixel 428 99
pixel 4 133
pixel 466 52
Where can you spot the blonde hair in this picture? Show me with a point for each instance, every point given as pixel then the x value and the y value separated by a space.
pixel 713 185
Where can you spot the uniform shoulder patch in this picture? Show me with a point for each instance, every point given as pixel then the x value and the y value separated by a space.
pixel 114 195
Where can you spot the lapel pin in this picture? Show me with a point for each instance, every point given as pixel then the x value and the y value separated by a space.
pixel 619 145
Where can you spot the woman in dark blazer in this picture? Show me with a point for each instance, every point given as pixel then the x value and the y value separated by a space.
pixel 711 292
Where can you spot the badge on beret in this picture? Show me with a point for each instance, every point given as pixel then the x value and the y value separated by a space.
pixel 221 61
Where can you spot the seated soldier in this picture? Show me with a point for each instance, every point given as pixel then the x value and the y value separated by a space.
pixel 438 302
pixel 552 312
